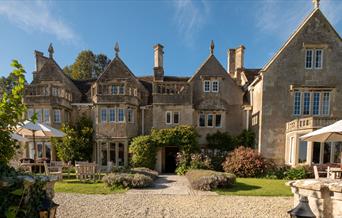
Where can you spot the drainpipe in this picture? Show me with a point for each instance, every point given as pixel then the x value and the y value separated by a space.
pixel 143 120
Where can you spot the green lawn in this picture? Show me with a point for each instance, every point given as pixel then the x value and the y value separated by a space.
pixel 75 186
pixel 257 187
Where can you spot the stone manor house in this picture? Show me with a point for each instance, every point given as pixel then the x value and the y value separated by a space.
pixel 296 92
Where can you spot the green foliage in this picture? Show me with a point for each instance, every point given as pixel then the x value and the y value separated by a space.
pixel 77 145
pixel 207 180
pixel 296 173
pixel 246 139
pixel 183 136
pixel 11 110
pixel 220 140
pixel 247 162
pixel 223 141
pixel 217 159
pixel 127 180
pixel 143 152
pixel 144 148
pixel 85 64
pixel 24 195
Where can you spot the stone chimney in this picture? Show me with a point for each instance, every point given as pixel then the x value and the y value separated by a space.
pixel 239 57
pixel 40 60
pixel 316 3
pixel 231 62
pixel 158 62
pixel 236 62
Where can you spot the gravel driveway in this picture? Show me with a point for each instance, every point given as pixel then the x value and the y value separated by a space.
pixel 124 205
pixel 170 197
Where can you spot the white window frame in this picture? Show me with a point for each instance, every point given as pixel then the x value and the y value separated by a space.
pixel 294 103
pixel 110 110
pixel 114 90
pixel 217 87
pixel 121 89
pixel 309 106
pixel 135 92
pixel 220 126
pixel 306 58
pixel 212 120
pixel 326 111
pixel 166 115
pixel 103 111
pixel 321 61
pixel 204 86
pixel 57 116
pixel 313 103
pixel 291 149
pixel 123 114
pixel 173 117
pixel 46 114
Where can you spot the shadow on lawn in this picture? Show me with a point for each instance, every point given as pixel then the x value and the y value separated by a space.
pixel 239 186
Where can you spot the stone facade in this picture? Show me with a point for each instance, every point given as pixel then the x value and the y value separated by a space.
pixel 296 92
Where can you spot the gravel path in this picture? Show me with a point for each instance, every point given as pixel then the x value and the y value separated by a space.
pixel 126 205
pixel 169 185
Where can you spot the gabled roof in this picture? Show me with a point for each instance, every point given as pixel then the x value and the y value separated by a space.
pixel 117 62
pixel 251 74
pixel 211 60
pixel 51 71
pixel 313 14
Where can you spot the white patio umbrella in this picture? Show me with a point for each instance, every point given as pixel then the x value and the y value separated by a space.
pixel 36 129
pixel 18 137
pixel 331 133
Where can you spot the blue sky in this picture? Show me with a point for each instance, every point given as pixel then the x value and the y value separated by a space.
pixel 185 28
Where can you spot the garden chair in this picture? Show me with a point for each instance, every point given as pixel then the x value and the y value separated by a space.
pixel 53 171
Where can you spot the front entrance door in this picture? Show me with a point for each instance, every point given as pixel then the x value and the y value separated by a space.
pixel 170 159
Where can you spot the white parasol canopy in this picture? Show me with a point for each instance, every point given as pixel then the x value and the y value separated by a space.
pixel 38 130
pixel 35 129
pixel 18 137
pixel 331 133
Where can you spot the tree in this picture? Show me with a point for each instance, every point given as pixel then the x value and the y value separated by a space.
pixel 11 110
pixel 77 144
pixel 86 64
pixel 143 152
pixel 220 140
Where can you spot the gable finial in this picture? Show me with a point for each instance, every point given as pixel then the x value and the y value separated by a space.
pixel 316 3
pixel 117 49
pixel 51 51
pixel 212 46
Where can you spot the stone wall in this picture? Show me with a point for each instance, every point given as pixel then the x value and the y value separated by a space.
pixel 325 196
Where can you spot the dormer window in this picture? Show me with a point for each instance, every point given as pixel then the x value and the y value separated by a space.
pixel 313 58
pixel 118 90
pixel 215 86
pixel 114 90
pixel 206 86
pixel 318 58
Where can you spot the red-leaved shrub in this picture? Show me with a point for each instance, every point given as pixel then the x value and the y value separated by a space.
pixel 247 162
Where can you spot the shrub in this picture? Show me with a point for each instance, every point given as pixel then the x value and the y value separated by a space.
pixel 200 161
pixel 217 158
pixel 182 169
pixel 246 162
pixel 120 169
pixel 143 152
pixel 278 172
pixel 127 180
pixel 300 172
pixel 207 180
pixel 246 139
pixel 220 140
pixel 145 171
